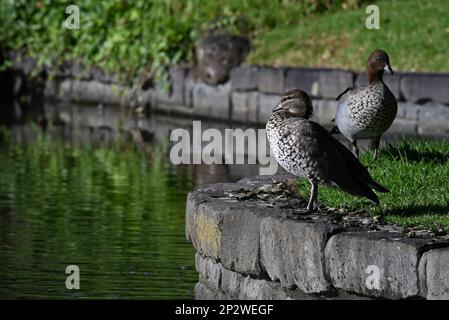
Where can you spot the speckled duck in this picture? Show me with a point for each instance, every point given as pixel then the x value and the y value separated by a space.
pixel 366 112
pixel 304 148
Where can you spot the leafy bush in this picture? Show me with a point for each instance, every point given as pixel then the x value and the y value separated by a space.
pixel 130 37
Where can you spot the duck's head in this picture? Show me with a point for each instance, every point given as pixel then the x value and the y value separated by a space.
pixel 378 63
pixel 295 103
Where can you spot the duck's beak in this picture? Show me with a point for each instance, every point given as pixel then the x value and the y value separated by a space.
pixel 388 69
pixel 278 107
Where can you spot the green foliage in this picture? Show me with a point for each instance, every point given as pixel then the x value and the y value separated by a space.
pixel 417 174
pixel 130 37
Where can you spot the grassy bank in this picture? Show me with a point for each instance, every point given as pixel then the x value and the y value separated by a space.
pixel 417 175
pixel 130 37
pixel 415 34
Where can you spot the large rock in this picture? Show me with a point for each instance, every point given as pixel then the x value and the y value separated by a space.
pixel 376 264
pixel 293 252
pixel 217 54
pixel 434 274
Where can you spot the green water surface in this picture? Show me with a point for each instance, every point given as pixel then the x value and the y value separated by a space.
pixel 115 211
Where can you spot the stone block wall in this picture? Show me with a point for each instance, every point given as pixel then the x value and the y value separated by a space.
pixel 253 91
pixel 255 249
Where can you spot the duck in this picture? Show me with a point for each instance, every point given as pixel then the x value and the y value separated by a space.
pixel 366 112
pixel 306 149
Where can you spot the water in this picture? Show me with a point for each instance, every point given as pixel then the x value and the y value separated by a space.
pixel 93 187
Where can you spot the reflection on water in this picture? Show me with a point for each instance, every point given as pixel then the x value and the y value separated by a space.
pixel 90 187
pixel 111 210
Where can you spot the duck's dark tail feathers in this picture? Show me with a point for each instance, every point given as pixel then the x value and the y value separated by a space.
pixel 344 169
pixel 351 176
pixel 373 184
pixel 361 181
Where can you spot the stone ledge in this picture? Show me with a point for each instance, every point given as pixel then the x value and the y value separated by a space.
pixel 254 242
pixel 244 78
pixel 91 91
pixel 248 97
pixel 191 98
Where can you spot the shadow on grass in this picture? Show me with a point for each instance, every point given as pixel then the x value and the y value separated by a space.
pixel 415 210
pixel 406 151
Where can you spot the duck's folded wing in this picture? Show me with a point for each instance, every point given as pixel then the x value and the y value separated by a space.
pixel 344 169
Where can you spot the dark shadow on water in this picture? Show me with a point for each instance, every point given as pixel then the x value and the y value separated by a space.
pixel 405 150
pixel 416 210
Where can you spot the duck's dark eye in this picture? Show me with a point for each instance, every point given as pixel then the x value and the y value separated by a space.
pixel 286 98
pixel 378 58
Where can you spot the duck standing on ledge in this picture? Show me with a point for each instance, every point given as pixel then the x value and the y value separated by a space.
pixel 366 112
pixel 304 148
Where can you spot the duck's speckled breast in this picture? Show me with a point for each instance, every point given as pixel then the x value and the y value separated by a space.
pixel 295 148
pixel 367 112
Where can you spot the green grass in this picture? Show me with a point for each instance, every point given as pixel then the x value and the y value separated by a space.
pixel 131 38
pixel 417 174
pixel 415 33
